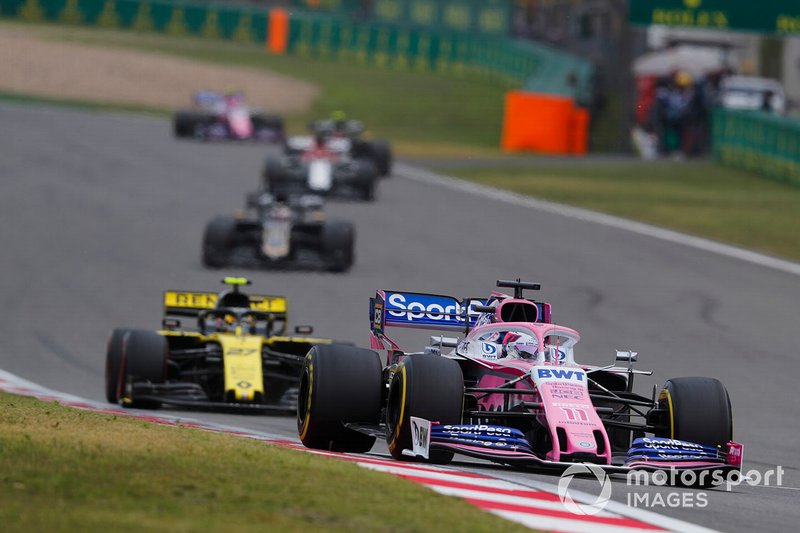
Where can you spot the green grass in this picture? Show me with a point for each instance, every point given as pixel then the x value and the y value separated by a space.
pixel 91 105
pixel 700 198
pixel 63 469
pixel 407 107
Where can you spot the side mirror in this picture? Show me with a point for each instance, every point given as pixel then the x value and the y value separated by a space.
pixel 171 323
pixel 303 330
pixel 627 356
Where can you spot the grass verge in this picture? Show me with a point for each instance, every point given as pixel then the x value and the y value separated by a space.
pixel 62 469
pixel 416 108
pixel 700 198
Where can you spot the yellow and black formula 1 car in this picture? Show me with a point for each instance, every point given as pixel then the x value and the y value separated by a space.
pixel 237 358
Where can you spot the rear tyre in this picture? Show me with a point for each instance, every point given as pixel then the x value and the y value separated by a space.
pixel 186 123
pixel 338 243
pixel 339 384
pixel 113 365
pixel 271 124
pixel 426 386
pixel 698 410
pixel 144 358
pixel 382 156
pixel 219 241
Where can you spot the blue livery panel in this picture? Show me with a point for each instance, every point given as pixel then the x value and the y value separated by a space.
pixel 411 309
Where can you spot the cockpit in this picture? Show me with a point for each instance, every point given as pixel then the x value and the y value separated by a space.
pixel 240 321
pixel 540 343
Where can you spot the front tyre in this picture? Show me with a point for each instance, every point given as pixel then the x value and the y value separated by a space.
pixel 426 386
pixel 219 241
pixel 338 242
pixel 144 359
pixel 698 410
pixel 113 375
pixel 339 384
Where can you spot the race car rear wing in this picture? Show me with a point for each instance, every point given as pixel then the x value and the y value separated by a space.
pixel 436 311
pixel 422 311
pixel 191 303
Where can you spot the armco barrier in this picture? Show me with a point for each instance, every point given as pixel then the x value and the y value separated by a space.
pixel 239 23
pixel 758 142
pixel 486 17
pixel 400 47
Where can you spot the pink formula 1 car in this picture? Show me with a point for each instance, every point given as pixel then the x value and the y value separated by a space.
pixel 508 390
pixel 218 116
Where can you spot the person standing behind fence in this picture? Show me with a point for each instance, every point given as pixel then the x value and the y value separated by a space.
pixel 677 116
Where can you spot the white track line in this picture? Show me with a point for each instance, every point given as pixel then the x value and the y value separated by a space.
pixel 508 197
pixel 560 524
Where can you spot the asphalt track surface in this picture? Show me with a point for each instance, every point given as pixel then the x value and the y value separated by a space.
pixel 101 212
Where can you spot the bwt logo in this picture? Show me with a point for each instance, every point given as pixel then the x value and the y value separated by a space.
pixel 439 308
pixel 420 434
pixel 555 373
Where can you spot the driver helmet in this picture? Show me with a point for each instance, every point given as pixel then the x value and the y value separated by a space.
pixel 226 323
pixel 520 346
pixel 339 119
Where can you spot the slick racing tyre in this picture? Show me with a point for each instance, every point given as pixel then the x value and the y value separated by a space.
pixel 113 364
pixel 338 238
pixel 382 156
pixel 186 123
pixel 698 410
pixel 219 241
pixel 426 386
pixel 367 176
pixel 144 358
pixel 268 124
pixel 276 176
pixel 339 384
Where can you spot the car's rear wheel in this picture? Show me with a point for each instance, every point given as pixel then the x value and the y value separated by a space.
pixel 382 156
pixel 187 123
pixel 338 238
pixel 268 123
pixel 425 386
pixel 698 410
pixel 338 385
pixel 144 358
pixel 113 364
pixel 219 241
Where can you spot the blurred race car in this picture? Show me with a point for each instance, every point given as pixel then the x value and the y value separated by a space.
pixel 281 232
pixel 509 391
pixel 218 116
pixel 238 356
pixel 319 167
pixel 348 136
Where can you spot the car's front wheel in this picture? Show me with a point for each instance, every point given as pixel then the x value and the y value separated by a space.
pixel 339 384
pixel 144 359
pixel 218 241
pixel 425 386
pixel 697 410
